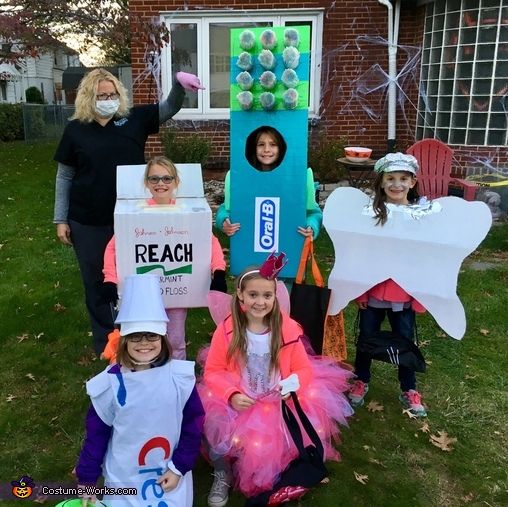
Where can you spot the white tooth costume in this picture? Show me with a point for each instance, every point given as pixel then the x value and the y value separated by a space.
pixel 419 249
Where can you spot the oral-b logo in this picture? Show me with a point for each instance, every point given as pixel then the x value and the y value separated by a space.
pixel 266 227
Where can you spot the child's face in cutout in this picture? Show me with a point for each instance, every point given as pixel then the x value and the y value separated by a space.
pixel 397 185
pixel 258 298
pixel 145 350
pixel 162 192
pixel 267 150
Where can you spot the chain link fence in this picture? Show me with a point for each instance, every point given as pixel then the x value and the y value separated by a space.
pixel 42 121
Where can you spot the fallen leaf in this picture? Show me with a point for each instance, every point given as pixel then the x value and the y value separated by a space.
pixel 441 334
pixel 22 338
pixel 10 398
pixel 374 406
pixel 468 498
pixel 423 343
pixel 366 447
pixel 407 411
pixel 484 332
pixel 326 480
pixel 30 376
pixel 361 478
pixel 425 428
pixel 57 284
pixel 442 440
pixel 377 462
pixel 470 377
pixel 427 361
pixel 59 308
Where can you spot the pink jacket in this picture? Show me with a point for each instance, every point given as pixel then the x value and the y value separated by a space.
pixel 109 270
pixel 224 378
pixel 392 292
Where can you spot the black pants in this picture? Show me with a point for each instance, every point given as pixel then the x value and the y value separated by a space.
pixel 89 244
pixel 402 323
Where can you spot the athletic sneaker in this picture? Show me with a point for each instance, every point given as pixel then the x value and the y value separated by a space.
pixel 357 393
pixel 219 492
pixel 413 401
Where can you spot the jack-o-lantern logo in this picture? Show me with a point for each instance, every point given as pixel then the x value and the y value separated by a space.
pixel 23 488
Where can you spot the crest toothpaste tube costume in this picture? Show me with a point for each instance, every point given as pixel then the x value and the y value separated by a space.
pixel 144 421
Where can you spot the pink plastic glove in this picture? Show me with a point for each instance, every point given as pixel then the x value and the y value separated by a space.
pixel 189 81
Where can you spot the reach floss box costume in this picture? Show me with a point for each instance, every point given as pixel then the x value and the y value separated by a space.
pixel 269 87
pixel 172 242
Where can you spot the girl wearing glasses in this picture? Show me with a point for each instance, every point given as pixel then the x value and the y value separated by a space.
pixel 144 425
pixel 161 179
pixel 103 133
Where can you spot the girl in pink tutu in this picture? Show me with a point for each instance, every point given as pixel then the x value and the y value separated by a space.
pixel 256 357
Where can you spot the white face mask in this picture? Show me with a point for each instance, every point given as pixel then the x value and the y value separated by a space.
pixel 106 108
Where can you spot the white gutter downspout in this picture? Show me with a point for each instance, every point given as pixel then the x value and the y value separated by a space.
pixel 393 37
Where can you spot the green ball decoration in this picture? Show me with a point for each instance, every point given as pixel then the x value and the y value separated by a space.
pixel 247 40
pixel 268 80
pixel 268 39
pixel 290 78
pixel 245 99
pixel 290 98
pixel 244 80
pixel 244 61
pixel 266 59
pixel 291 37
pixel 291 57
pixel 267 101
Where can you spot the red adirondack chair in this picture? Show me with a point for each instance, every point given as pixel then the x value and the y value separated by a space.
pixel 435 161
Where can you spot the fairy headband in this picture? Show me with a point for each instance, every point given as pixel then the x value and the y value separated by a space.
pixel 269 269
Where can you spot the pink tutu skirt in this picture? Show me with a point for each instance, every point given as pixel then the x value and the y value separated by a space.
pixel 256 441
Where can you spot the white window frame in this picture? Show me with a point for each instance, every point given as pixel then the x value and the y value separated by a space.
pixel 203 19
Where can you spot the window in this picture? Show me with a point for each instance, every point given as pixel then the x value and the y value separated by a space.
pixel 3 91
pixel 464 77
pixel 200 43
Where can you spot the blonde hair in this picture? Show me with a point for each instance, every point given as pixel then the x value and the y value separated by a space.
pixel 238 346
pixel 124 358
pixel 164 162
pixel 87 91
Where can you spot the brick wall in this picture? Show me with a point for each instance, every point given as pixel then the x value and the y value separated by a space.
pixel 354 58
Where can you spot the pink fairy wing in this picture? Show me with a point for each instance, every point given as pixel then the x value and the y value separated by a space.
pixel 283 296
pixel 219 305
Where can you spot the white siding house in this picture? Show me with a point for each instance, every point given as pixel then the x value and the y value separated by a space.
pixel 44 72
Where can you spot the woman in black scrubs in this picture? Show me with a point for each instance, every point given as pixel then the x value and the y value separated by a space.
pixel 104 133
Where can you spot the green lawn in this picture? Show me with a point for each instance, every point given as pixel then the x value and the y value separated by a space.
pixel 47 358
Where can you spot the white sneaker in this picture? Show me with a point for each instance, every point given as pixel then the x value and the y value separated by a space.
pixel 219 492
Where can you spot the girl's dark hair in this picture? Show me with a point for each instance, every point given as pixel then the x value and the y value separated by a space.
pixel 252 141
pixel 379 204
pixel 123 357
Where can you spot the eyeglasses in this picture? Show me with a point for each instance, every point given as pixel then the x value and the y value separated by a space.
pixel 137 337
pixel 155 179
pixel 107 96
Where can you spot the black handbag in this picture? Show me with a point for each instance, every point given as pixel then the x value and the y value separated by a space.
pixel 305 471
pixel 391 348
pixel 309 303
